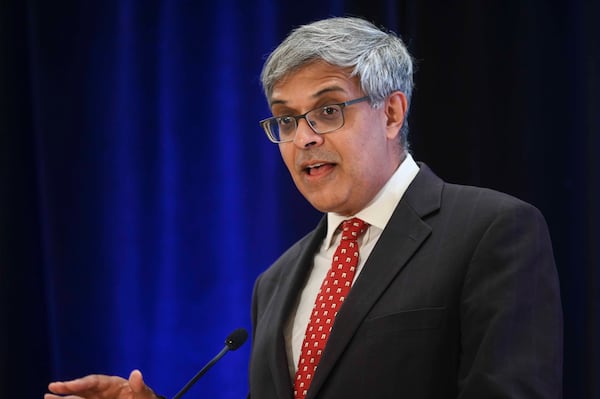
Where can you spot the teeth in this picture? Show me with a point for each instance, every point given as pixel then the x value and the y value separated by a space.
pixel 316 165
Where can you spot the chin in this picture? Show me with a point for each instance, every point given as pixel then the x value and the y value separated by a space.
pixel 321 206
pixel 321 202
pixel 324 207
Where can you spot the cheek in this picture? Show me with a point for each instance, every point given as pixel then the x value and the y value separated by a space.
pixel 365 160
pixel 287 155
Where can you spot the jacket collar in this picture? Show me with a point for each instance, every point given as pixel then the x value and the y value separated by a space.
pixel 405 233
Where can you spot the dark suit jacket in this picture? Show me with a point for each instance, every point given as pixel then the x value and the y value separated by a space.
pixel 459 299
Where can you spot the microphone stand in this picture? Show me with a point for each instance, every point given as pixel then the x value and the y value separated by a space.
pixel 201 372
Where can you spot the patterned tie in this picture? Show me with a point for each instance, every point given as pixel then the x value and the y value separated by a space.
pixel 334 289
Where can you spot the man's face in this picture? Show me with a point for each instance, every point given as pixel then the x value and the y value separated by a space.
pixel 343 170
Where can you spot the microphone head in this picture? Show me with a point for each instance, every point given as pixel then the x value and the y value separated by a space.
pixel 236 339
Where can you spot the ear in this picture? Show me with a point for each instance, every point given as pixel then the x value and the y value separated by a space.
pixel 395 108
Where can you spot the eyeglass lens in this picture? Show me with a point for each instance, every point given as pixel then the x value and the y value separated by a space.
pixel 321 120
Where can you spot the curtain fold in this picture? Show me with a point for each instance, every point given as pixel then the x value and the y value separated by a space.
pixel 140 198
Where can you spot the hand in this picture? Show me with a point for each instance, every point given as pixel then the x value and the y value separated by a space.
pixel 97 386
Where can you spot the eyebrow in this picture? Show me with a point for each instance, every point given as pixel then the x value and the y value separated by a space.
pixel 316 95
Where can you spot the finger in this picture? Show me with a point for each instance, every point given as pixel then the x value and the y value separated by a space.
pixel 138 386
pixel 77 385
pixel 51 396
pixel 94 385
pixel 136 381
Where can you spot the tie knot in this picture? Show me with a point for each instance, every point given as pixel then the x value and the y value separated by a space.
pixel 353 228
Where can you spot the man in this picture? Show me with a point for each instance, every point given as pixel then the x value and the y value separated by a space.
pixel 436 290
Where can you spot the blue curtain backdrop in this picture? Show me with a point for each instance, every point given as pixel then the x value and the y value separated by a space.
pixel 140 199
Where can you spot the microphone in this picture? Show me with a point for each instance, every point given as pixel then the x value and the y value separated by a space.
pixel 232 342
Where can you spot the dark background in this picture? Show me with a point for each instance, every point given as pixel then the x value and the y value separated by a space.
pixel 140 199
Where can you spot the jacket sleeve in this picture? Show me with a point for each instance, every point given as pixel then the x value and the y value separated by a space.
pixel 511 314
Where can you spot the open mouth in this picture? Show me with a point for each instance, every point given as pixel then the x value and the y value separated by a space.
pixel 318 168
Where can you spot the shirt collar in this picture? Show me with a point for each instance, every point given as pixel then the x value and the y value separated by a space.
pixel 379 211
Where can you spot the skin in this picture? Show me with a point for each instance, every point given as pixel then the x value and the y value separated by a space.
pixel 353 162
pixel 101 387
pixel 341 171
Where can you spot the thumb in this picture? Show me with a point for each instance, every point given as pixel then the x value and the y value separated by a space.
pixel 136 382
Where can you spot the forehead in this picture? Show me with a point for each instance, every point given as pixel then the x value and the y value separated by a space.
pixel 314 80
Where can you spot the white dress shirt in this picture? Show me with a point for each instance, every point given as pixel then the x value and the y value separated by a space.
pixel 377 213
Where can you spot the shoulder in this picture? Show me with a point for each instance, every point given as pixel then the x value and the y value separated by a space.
pixel 450 197
pixel 466 213
pixel 480 198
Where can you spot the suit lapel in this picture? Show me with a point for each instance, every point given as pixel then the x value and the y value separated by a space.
pixel 286 297
pixel 404 234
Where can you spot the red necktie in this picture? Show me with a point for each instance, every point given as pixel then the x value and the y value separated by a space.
pixel 334 289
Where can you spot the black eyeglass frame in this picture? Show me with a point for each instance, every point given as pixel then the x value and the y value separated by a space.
pixel 265 123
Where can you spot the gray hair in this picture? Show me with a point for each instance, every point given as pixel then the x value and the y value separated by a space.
pixel 379 58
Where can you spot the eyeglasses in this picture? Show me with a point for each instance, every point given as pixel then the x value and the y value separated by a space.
pixel 325 119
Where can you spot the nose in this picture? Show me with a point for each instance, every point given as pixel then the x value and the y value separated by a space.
pixel 305 136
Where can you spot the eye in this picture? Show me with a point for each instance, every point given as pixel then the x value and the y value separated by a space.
pixel 285 121
pixel 329 112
